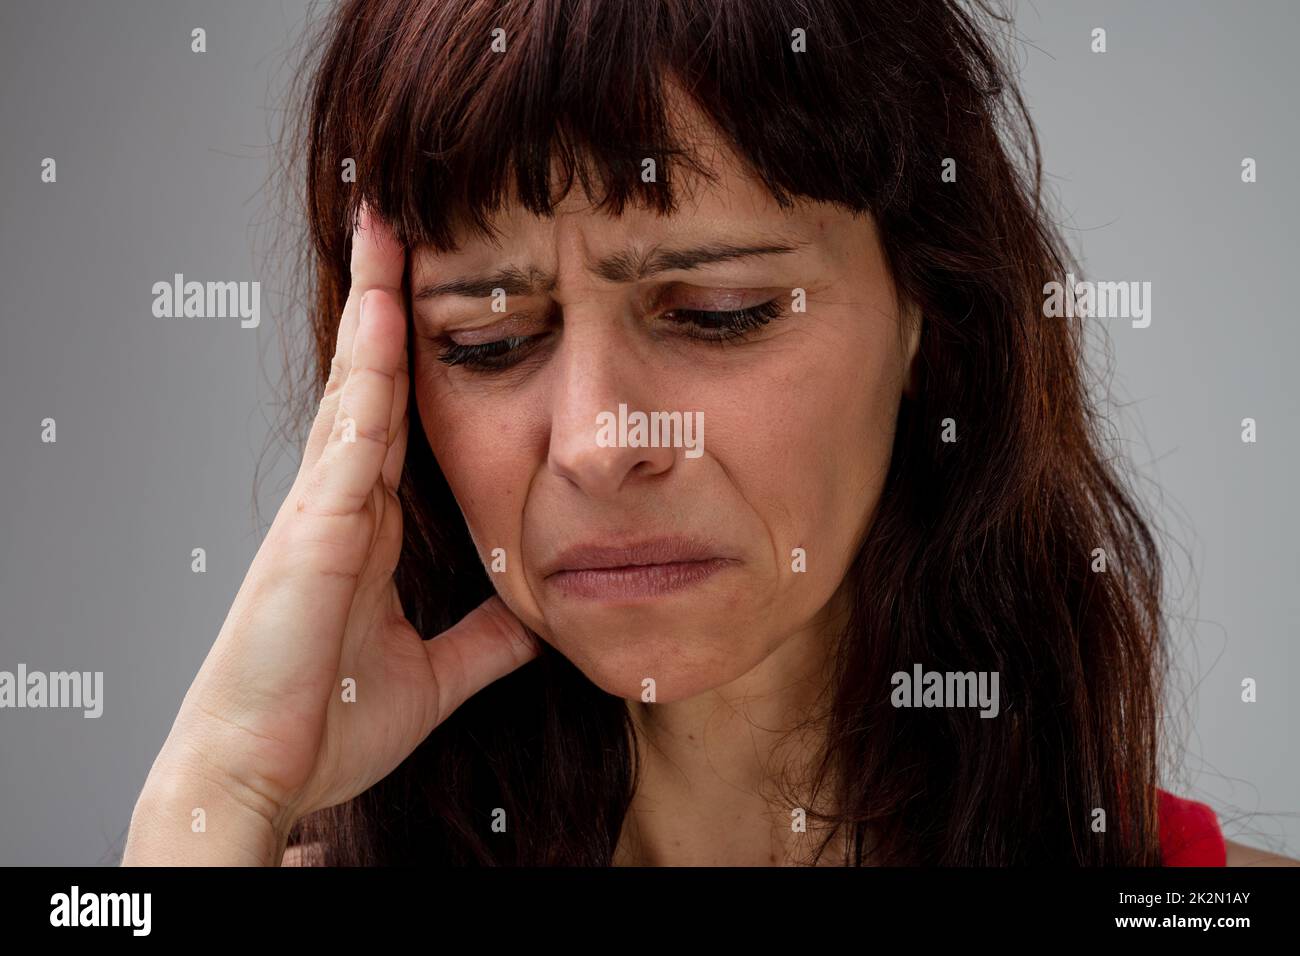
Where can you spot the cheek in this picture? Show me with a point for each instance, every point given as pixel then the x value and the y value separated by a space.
pixel 855 406
pixel 487 446
pixel 856 415
pixel 482 450
pixel 809 445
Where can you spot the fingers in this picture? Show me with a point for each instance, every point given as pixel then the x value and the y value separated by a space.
pixel 312 569
pixel 392 470
pixel 359 442
pixel 378 262
pixel 397 425
pixel 485 645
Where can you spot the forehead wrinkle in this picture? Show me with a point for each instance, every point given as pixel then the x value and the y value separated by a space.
pixel 632 266
pixel 625 266
pixel 512 279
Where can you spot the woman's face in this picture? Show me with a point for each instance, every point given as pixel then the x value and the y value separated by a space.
pixel 599 312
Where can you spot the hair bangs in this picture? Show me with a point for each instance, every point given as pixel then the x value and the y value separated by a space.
pixel 464 107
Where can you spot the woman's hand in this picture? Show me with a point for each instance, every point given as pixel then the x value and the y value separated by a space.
pixel 317 685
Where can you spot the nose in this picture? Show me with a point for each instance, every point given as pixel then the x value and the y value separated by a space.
pixel 596 372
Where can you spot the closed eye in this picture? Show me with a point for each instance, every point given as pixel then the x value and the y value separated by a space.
pixel 489 355
pixel 725 326
pixel 705 326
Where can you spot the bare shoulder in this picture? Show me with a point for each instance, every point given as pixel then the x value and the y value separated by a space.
pixel 1241 855
pixel 303 854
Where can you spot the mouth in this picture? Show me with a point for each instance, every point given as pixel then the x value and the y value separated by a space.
pixel 645 569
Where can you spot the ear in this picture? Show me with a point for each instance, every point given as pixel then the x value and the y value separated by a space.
pixel 910 327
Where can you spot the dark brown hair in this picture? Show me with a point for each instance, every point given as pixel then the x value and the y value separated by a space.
pixel 981 551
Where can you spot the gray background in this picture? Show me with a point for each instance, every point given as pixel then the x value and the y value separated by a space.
pixel 163 159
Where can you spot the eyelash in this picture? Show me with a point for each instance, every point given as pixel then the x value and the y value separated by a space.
pixel 719 328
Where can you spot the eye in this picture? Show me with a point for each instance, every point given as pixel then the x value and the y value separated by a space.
pixel 706 326
pixel 725 326
pixel 490 356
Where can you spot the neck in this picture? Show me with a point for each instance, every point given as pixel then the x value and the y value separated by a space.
pixel 722 773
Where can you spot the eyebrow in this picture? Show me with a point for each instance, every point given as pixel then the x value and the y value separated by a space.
pixel 619 267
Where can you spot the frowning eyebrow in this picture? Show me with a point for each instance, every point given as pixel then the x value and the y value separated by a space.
pixel 620 267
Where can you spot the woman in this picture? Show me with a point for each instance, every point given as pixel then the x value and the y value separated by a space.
pixel 898 608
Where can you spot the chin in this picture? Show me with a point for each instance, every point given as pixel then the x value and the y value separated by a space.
pixel 684 660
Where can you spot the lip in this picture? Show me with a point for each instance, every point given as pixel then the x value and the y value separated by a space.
pixel 647 568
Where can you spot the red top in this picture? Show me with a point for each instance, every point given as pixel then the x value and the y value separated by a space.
pixel 1189 833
